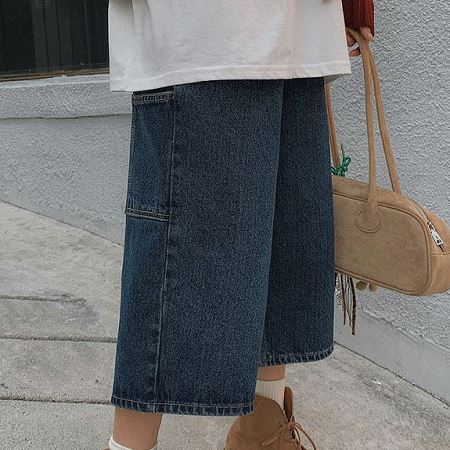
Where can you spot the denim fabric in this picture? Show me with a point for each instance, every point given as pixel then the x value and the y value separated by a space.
pixel 228 261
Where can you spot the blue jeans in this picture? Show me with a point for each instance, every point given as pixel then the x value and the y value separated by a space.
pixel 228 260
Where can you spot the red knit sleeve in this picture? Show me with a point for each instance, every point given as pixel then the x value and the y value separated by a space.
pixel 359 13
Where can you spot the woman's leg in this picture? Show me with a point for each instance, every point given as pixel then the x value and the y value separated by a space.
pixel 271 383
pixel 271 373
pixel 300 305
pixel 200 204
pixel 136 430
pixel 139 431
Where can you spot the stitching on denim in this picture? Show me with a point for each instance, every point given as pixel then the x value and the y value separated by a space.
pixel 166 244
pixel 146 214
pixel 299 356
pixel 140 99
pixel 200 405
pixel 172 153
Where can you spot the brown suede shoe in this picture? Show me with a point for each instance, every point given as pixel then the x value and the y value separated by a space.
pixel 268 427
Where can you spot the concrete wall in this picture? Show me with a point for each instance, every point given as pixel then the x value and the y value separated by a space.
pixel 409 335
pixel 64 150
pixel 64 153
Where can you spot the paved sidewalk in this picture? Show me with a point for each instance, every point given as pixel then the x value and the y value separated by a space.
pixel 59 292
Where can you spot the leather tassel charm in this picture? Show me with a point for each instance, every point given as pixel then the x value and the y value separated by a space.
pixel 346 295
pixel 362 285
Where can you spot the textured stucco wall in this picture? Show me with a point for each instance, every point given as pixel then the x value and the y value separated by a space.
pixel 64 150
pixel 413 54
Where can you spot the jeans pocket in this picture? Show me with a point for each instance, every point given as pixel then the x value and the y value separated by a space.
pixel 150 159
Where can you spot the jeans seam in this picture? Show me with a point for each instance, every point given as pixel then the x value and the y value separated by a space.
pixel 201 409
pixel 142 99
pixel 146 214
pixel 299 356
pixel 219 405
pixel 166 247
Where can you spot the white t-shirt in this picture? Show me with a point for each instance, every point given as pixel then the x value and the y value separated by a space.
pixel 157 43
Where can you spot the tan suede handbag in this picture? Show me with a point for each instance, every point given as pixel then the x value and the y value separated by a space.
pixel 382 237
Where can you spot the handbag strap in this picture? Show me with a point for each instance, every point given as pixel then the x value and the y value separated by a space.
pixel 332 126
pixel 372 85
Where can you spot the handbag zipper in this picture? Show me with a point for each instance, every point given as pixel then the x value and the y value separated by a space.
pixel 434 234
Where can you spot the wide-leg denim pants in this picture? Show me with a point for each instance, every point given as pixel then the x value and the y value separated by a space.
pixel 228 260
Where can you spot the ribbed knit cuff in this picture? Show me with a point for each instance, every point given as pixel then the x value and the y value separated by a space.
pixel 272 389
pixel 359 13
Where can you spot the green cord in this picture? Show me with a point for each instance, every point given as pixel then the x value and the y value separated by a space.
pixel 343 167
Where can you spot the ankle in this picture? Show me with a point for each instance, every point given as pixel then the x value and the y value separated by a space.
pixel 272 389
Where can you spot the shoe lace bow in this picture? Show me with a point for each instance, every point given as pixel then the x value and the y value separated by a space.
pixel 295 428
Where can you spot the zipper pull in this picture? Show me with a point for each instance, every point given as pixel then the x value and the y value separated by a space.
pixel 439 241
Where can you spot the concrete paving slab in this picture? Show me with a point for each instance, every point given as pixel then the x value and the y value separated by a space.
pixel 51 426
pixel 350 403
pixel 45 318
pixel 59 294
pixel 56 370
pixel 60 276
pixel 344 402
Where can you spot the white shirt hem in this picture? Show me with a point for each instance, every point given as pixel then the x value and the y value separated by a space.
pixel 332 70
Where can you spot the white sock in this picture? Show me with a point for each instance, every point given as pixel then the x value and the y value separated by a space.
pixel 115 446
pixel 272 389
